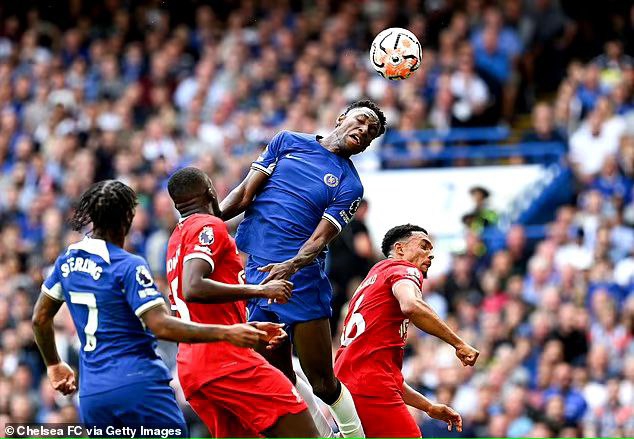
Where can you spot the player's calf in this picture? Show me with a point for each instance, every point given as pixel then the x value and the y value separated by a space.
pixel 314 349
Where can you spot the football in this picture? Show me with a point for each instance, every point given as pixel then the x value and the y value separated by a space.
pixel 396 53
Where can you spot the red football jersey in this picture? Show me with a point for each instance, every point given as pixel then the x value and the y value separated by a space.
pixel 206 237
pixel 370 358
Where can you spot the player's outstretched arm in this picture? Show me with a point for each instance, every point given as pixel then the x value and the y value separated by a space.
pixel 321 237
pixel 60 374
pixel 167 327
pixel 241 197
pixel 197 287
pixel 437 411
pixel 424 318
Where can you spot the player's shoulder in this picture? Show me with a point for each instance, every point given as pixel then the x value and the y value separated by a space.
pixel 199 220
pixel 296 136
pixel 390 266
pixel 203 227
pixel 352 176
pixel 125 260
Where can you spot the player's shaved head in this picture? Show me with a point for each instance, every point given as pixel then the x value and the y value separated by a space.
pixel 187 183
pixel 192 192
pixel 398 233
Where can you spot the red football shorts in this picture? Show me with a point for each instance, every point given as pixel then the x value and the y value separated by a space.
pixel 381 418
pixel 246 403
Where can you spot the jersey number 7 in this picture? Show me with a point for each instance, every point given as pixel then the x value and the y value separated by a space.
pixel 90 329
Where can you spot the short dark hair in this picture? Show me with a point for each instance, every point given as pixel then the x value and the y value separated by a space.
pixel 186 182
pixel 396 234
pixel 108 204
pixel 372 106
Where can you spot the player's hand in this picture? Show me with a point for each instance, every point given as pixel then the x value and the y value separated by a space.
pixel 62 378
pixel 278 291
pixel 244 336
pixel 275 334
pixel 446 414
pixel 467 354
pixel 282 270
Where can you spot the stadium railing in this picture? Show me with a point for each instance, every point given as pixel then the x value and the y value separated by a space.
pixel 453 135
pixel 537 152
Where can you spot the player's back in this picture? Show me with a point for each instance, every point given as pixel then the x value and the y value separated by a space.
pixel 306 183
pixel 106 290
pixel 371 354
pixel 205 237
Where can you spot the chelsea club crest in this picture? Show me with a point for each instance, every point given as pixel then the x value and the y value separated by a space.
pixel 331 180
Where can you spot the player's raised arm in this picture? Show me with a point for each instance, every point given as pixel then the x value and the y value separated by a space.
pixel 261 169
pixel 241 197
pixel 413 306
pixel 59 373
pixel 437 411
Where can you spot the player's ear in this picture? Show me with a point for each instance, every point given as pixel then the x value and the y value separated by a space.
pixel 398 248
pixel 340 119
pixel 212 195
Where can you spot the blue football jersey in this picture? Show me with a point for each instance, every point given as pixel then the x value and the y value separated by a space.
pixel 106 290
pixel 306 183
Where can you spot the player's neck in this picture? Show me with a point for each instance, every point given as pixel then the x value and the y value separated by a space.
pixel 331 142
pixel 112 237
pixel 193 210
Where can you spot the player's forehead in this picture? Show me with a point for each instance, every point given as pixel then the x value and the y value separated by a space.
pixel 422 238
pixel 363 111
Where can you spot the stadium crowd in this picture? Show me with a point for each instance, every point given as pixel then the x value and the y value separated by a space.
pixel 133 90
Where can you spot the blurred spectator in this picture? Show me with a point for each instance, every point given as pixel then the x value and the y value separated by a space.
pixel 543 129
pixel 470 92
pixel 482 216
pixel 574 404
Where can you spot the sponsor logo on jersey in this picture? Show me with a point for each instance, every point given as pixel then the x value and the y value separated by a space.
pixel 344 216
pixel 414 272
pixel 206 237
pixel 143 276
pixel 294 157
pixel 261 156
pixel 331 180
pixel 200 248
pixel 354 206
pixel 148 292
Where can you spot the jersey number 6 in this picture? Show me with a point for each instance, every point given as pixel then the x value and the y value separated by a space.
pixel 356 321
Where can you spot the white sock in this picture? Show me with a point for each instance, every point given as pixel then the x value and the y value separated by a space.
pixel 345 414
pixel 304 389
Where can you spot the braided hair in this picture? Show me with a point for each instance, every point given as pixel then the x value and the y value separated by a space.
pixel 108 204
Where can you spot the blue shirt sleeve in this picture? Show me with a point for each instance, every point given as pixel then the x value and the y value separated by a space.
pixel 52 285
pixel 267 161
pixel 140 290
pixel 341 211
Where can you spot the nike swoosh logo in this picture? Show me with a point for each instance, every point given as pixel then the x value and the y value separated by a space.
pixel 294 157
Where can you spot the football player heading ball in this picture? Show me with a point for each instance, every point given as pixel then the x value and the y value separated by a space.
pixel 300 193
